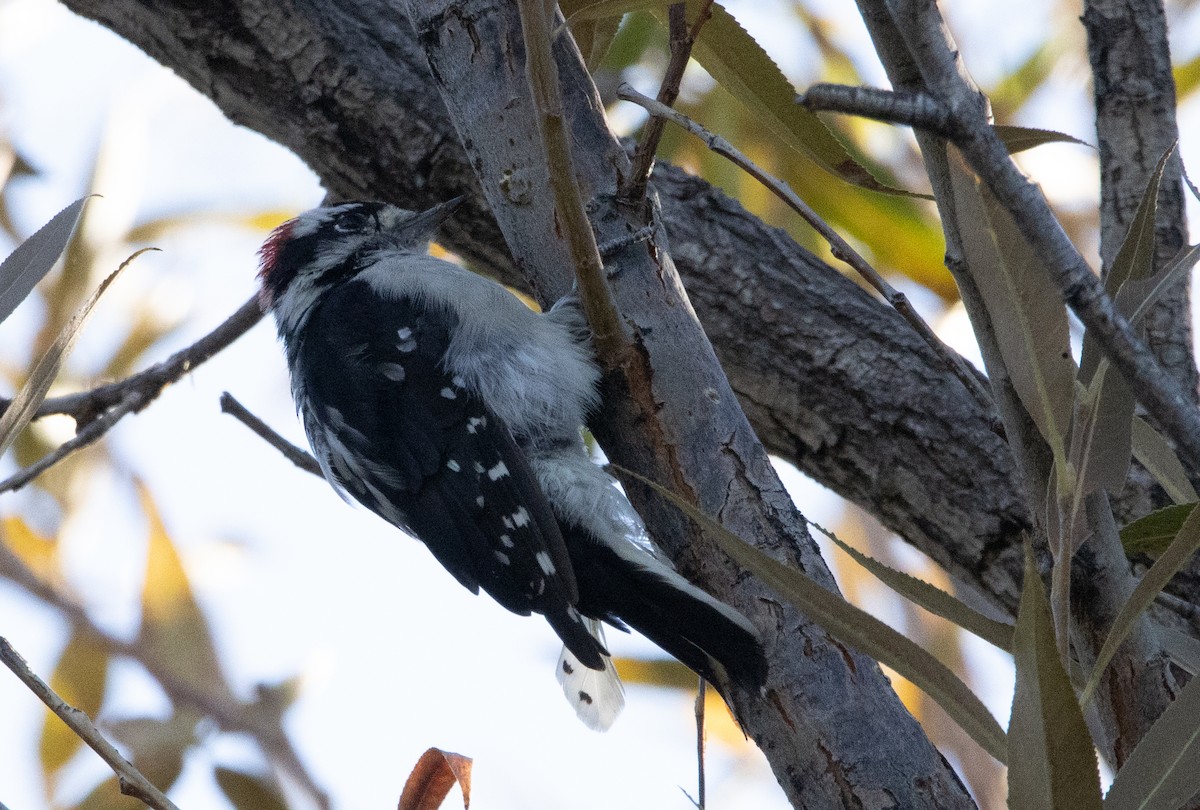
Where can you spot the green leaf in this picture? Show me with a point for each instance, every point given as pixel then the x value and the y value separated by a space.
pixel 79 679
pixel 23 406
pixel 853 626
pixel 933 599
pixel 1153 452
pixel 1027 313
pixel 1051 760
pixel 34 258
pixel 741 66
pixel 1173 558
pixel 1101 434
pixel 1163 771
pixel 1153 533
pixel 1018 139
pixel 247 791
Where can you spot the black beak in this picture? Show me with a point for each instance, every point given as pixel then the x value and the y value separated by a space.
pixel 426 223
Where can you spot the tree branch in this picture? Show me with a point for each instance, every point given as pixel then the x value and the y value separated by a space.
pixel 670 414
pixel 97 411
pixel 249 718
pixel 132 781
pixel 862 406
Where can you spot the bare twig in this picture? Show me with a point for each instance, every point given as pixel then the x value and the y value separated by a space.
pixel 839 246
pixel 544 87
pixel 917 110
pixel 96 411
pixel 290 451
pixel 681 43
pixel 263 727
pixel 132 781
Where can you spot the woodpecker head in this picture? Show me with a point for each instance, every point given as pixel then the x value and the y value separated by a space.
pixel 325 245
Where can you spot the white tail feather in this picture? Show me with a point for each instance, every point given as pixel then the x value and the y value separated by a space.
pixel 596 695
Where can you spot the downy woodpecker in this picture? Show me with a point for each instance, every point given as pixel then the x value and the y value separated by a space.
pixel 439 401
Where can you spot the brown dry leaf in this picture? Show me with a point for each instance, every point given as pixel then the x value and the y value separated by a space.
pixel 432 777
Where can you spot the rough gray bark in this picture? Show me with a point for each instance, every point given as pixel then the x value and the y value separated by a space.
pixel 830 725
pixel 861 406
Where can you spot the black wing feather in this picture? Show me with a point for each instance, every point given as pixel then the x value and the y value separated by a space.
pixel 468 494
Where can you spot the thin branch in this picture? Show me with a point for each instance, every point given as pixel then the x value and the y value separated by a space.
pixel 917 110
pixel 839 246
pixel 132 781
pixel 921 26
pixel 98 410
pixel 232 717
pixel 544 87
pixel 290 451
pixel 682 41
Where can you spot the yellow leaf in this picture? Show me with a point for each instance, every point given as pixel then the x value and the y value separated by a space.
pixel 79 679
pixel 173 628
pixel 38 553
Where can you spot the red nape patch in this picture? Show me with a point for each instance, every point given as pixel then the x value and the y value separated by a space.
pixel 268 265
pixel 269 252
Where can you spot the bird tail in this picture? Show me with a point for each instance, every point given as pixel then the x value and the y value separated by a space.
pixel 628 586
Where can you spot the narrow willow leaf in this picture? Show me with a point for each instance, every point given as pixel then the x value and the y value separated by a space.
pixel 743 67
pixel 1183 649
pixel 594 38
pixel 23 406
pixel 22 270
pixel 1163 771
pixel 1153 452
pixel 1101 435
pixel 853 626
pixel 1154 532
pixel 79 679
pixel 159 746
pixel 174 630
pixel 1134 259
pixel 1173 558
pixel 1051 760
pixel 666 673
pixel 1018 139
pixel 933 599
pixel 582 10
pixel 432 777
pixel 246 791
pixel 1027 313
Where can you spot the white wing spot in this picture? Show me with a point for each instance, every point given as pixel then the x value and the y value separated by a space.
pixel 498 472
pixel 520 517
pixel 476 422
pixel 459 382
pixel 453 466
pixel 544 562
pixel 508 524
pixel 404 332
pixel 393 371
pixel 479 501
pixel 506 541
pixel 448 393
pixel 407 346
pixel 479 468
pixel 502 557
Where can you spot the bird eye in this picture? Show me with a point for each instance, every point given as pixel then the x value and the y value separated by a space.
pixel 351 222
